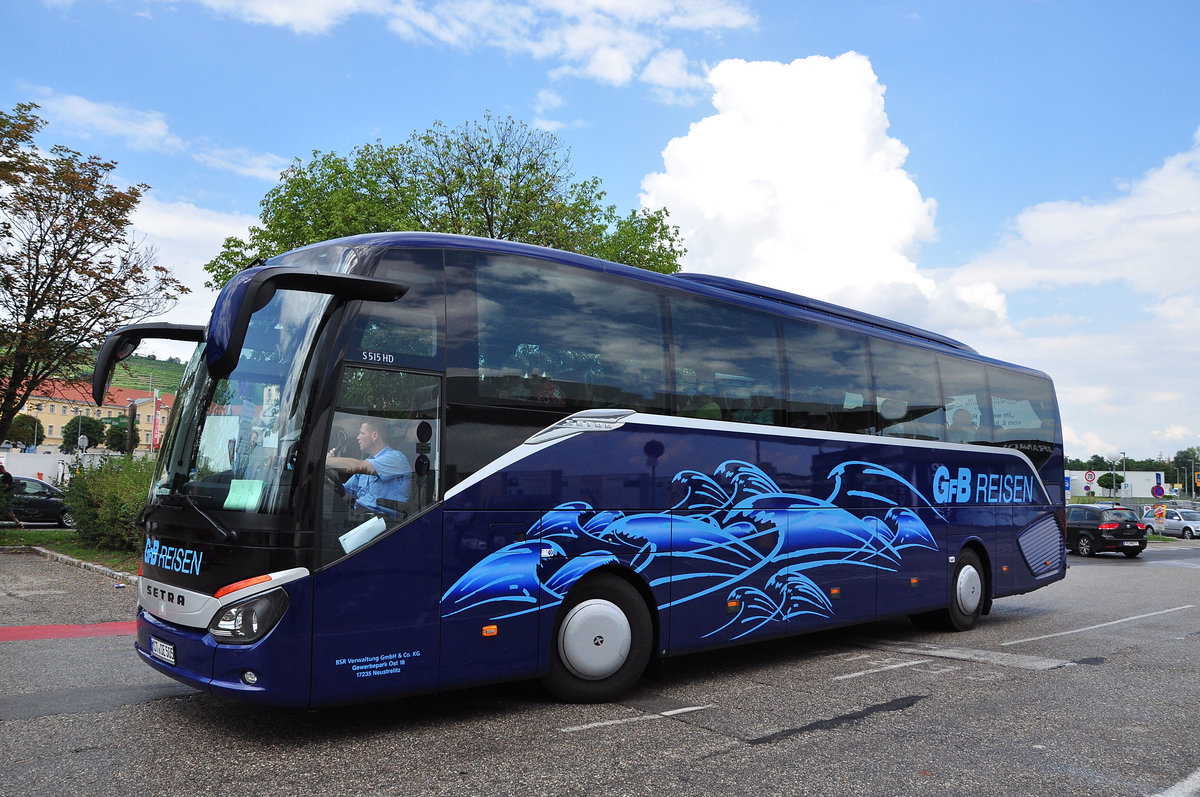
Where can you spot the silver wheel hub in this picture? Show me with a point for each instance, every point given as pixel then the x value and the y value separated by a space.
pixel 594 639
pixel 968 590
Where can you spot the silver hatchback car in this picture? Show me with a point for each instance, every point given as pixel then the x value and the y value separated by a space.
pixel 1173 522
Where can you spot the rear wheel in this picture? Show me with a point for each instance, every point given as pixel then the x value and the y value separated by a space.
pixel 967 591
pixel 1083 546
pixel 602 641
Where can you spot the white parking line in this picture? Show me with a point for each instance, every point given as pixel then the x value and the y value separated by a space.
pixel 639 718
pixel 1093 627
pixel 993 657
pixel 882 669
pixel 1184 788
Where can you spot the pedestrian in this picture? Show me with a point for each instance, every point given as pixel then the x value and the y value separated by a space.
pixel 6 497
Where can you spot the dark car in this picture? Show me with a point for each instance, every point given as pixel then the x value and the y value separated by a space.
pixel 1092 529
pixel 36 501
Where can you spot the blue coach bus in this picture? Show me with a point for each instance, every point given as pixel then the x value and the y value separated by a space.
pixel 409 462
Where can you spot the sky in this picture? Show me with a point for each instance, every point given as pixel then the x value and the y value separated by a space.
pixel 1022 175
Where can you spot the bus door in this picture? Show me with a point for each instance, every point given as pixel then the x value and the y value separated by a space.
pixel 376 618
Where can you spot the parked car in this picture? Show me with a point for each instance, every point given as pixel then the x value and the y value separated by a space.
pixel 36 501
pixel 1092 529
pixel 1174 522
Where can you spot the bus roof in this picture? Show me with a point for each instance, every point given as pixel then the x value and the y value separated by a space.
pixel 709 284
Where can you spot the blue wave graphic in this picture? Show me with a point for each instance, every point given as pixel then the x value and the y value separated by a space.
pixel 734 533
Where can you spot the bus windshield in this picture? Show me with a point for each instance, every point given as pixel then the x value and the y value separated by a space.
pixel 230 444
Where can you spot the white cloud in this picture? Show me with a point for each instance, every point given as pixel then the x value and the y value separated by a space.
pixel 185 237
pixel 149 131
pixel 140 130
pixel 1120 274
pixel 1147 238
pixel 609 41
pixel 302 16
pixel 793 182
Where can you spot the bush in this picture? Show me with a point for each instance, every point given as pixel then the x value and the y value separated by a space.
pixel 105 500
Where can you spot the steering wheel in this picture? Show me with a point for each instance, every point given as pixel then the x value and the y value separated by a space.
pixel 335 481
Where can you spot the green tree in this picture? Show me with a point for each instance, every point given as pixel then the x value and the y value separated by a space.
pixel 1185 464
pixel 116 437
pixel 1110 481
pixel 497 178
pixel 27 430
pixel 70 268
pixel 84 425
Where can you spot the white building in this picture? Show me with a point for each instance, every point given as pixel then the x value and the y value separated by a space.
pixel 1137 484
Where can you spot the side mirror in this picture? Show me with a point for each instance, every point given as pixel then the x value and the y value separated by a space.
pixel 121 344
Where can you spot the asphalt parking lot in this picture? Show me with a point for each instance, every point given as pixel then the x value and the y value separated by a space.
pixel 1086 687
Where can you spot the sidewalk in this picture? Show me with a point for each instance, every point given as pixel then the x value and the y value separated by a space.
pixel 45 588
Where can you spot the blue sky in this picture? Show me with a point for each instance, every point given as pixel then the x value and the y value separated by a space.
pixel 1022 175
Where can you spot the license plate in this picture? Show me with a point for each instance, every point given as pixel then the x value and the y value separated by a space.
pixel 163 651
pixel 1130 543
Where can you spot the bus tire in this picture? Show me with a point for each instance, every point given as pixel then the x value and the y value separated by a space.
pixel 602 641
pixel 967 597
pixel 967 592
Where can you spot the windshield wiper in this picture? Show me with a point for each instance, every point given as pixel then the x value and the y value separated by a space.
pixel 226 535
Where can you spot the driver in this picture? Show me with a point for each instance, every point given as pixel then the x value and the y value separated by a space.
pixel 384 475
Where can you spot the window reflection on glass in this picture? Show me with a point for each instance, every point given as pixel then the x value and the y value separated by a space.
pixel 726 362
pixel 559 338
pixel 829 379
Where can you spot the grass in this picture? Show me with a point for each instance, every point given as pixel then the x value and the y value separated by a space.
pixel 142 372
pixel 65 541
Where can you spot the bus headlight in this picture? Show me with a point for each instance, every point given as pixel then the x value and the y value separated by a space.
pixel 249 620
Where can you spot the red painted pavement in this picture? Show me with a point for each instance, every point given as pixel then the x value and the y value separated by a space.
pixel 17 633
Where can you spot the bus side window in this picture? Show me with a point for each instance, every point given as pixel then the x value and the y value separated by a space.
pixel 724 356
pixel 558 338
pixel 967 403
pixel 829 382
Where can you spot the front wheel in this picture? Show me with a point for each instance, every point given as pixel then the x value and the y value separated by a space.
pixel 66 521
pixel 1188 534
pixel 602 641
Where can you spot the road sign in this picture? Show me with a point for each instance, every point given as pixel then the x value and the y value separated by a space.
pixel 1090 476
pixel 1156 491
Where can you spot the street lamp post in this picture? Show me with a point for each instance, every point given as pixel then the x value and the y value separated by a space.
pixel 1124 475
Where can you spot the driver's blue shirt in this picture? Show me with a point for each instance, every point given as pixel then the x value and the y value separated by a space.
pixel 391 481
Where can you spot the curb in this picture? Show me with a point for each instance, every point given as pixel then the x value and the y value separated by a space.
pixel 55 556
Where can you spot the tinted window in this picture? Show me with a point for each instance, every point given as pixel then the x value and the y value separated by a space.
pixel 726 362
pixel 1114 515
pixel 557 337
pixel 410 330
pixel 829 379
pixel 1022 406
pixel 906 391
pixel 966 401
